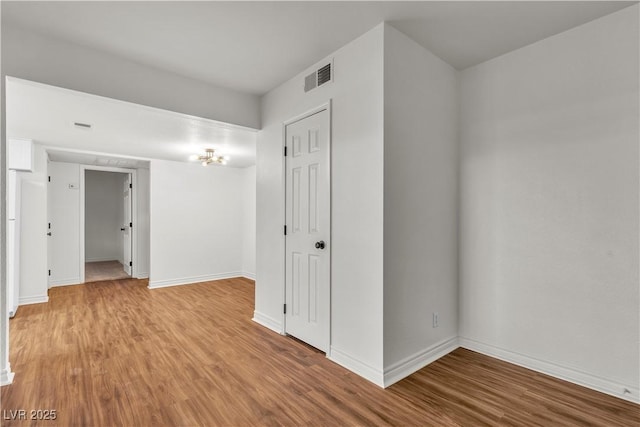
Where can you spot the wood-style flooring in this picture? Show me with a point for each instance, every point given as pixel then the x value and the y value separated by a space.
pixel 104 270
pixel 118 354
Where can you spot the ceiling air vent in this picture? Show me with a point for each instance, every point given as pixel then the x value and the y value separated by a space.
pixel 324 75
pixel 319 77
pixel 81 125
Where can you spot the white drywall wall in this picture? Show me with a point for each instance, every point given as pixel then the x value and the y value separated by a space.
pixel 196 223
pixel 357 201
pixel 141 228
pixel 47 60
pixel 14 191
pixel 249 222
pixel 104 215
pixel 420 205
pixel 6 376
pixel 549 205
pixel 64 216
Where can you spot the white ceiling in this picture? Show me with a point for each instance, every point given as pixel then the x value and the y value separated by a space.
pixel 46 114
pixel 247 46
pixel 255 46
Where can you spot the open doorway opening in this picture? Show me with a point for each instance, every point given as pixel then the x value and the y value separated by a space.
pixel 108 236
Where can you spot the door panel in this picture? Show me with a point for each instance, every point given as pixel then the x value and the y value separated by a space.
pixel 126 235
pixel 307 266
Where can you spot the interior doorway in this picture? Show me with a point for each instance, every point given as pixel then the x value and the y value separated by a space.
pixel 308 228
pixel 108 222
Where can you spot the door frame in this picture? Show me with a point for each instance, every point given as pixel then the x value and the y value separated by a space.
pixel 134 214
pixel 324 106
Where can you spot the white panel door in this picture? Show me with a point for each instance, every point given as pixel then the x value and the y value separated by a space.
pixel 50 216
pixel 308 226
pixel 126 232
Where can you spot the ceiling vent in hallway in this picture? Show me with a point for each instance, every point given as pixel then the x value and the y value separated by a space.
pixel 79 125
pixel 319 77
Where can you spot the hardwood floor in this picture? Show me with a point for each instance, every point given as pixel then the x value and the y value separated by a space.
pixel 117 353
pixel 104 270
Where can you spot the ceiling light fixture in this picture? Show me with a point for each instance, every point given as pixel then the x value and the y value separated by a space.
pixel 209 157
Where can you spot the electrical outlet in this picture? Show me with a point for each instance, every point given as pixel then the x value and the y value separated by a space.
pixel 435 319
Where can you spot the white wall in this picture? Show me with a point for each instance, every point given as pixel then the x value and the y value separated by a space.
pixel 249 222
pixel 64 215
pixel 14 191
pixel 141 228
pixel 549 205
pixel 196 223
pixel 104 215
pixel 46 60
pixel 33 231
pixel 357 201
pixel 6 376
pixel 420 206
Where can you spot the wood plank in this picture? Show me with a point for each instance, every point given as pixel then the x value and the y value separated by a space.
pixel 117 353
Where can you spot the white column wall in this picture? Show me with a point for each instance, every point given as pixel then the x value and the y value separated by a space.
pixel 357 201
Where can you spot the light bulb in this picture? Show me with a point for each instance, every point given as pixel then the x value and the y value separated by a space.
pixel 205 163
pixel 194 157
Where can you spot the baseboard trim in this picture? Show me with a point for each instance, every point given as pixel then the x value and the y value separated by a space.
pixel 251 276
pixel 102 259
pixel 36 299
pixel 155 284
pixel 419 360
pixel 356 366
pixel 267 321
pixel 6 376
pixel 562 372
pixel 142 275
pixel 65 282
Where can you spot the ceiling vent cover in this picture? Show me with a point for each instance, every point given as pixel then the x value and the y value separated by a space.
pixel 319 77
pixel 324 74
pixel 80 125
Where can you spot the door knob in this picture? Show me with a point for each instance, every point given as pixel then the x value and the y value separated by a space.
pixel 320 244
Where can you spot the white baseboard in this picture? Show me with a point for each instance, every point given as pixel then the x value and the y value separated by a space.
pixel 419 360
pixel 144 275
pixel 267 321
pixel 356 366
pixel 248 275
pixel 36 299
pixel 65 282
pixel 154 284
pixel 101 259
pixel 6 376
pixel 562 372
pixel 12 311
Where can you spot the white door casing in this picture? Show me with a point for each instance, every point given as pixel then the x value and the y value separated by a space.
pixel 131 174
pixel 50 247
pixel 308 228
pixel 126 233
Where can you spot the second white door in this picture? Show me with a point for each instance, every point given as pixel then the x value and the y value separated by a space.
pixel 308 227
pixel 126 235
